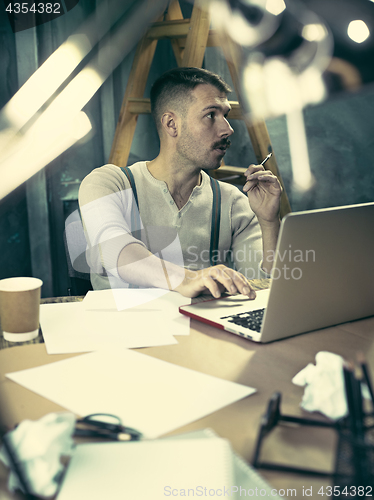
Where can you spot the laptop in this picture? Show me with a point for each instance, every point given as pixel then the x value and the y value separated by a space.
pixel 323 275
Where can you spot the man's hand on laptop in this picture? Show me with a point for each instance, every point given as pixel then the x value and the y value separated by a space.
pixel 216 279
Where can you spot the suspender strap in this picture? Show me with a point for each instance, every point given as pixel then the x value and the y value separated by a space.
pixel 135 214
pixel 216 219
pixel 216 214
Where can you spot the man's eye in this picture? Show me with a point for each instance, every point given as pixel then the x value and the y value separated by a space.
pixel 210 115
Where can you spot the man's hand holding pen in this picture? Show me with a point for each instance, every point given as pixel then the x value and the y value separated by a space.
pixel 263 190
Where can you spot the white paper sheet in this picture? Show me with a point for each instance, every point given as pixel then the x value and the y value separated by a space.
pixel 143 301
pixel 69 328
pixel 148 469
pixel 149 317
pixel 148 394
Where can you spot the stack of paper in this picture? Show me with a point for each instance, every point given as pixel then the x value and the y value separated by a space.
pixel 186 466
pixel 131 318
pixel 147 470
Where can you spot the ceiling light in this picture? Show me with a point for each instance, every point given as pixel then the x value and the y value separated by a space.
pixel 358 31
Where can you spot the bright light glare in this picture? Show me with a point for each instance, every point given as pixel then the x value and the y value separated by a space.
pixel 62 110
pixel 71 100
pixel 312 87
pixel 270 88
pixel 80 126
pixel 238 27
pixel 58 128
pixel 46 80
pixel 282 87
pixel 240 30
pixel 38 148
pixel 275 7
pixel 358 31
pixel 273 89
pixel 302 177
pixel 314 32
pixel 219 13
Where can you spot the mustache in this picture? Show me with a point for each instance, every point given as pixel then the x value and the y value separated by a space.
pixel 226 143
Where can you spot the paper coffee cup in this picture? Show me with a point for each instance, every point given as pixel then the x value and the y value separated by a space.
pixel 19 308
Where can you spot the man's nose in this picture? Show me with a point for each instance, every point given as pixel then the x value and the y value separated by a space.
pixel 226 129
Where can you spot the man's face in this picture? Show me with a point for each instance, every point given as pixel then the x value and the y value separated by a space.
pixel 204 133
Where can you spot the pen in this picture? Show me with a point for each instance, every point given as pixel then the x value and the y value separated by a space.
pixel 266 159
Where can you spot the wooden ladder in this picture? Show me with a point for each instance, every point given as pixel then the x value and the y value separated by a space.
pixel 189 39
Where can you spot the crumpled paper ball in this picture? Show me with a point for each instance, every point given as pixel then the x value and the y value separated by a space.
pixel 39 446
pixel 324 386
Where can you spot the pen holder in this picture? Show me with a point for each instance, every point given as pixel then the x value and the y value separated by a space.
pixel 353 475
pixel 274 417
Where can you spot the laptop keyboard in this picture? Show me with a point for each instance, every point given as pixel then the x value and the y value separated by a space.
pixel 251 319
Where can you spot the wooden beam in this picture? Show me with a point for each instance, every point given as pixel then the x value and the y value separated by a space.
pixel 135 88
pixel 174 13
pixel 213 39
pixel 142 106
pixel 178 28
pixel 197 37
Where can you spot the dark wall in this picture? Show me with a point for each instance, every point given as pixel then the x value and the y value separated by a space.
pixel 340 136
pixel 340 140
pixel 14 236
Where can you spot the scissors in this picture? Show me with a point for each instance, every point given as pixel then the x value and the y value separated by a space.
pixel 98 425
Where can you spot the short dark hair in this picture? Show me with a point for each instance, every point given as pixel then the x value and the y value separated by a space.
pixel 175 87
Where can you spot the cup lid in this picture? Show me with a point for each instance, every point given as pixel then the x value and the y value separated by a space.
pixel 19 284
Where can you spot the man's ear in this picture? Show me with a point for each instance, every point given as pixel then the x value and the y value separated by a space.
pixel 169 123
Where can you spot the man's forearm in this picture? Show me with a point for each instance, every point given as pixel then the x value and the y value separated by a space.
pixel 270 232
pixel 140 267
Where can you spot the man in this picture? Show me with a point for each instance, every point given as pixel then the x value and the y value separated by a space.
pixel 169 247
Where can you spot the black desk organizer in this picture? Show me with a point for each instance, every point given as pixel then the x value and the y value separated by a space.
pixel 354 466
pixel 353 475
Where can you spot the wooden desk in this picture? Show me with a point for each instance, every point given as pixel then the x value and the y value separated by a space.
pixel 268 367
